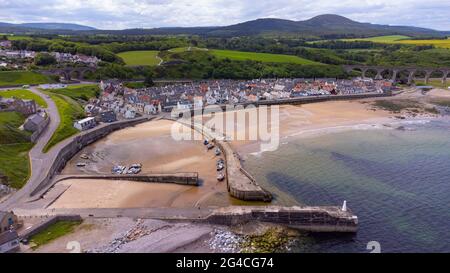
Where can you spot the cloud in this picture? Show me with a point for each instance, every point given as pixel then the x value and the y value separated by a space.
pixel 119 14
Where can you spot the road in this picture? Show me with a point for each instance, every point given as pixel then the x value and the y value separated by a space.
pixel 38 160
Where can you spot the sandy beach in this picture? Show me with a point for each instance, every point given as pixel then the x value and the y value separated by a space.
pixel 152 145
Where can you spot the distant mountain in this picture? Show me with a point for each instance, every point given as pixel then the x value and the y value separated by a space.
pixel 42 27
pixel 55 26
pixel 323 26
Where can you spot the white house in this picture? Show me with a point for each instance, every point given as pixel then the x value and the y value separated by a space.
pixel 85 124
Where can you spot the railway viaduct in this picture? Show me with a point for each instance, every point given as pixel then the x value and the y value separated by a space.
pixel 395 71
pixel 70 72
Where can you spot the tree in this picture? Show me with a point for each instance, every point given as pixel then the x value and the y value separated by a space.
pixel 148 81
pixel 44 59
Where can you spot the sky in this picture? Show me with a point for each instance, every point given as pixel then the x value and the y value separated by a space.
pixel 121 14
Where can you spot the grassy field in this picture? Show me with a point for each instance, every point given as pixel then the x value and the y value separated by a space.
pixel 184 49
pixel 22 77
pixel 134 58
pixel 381 39
pixel 14 148
pixel 24 94
pixel 53 232
pixel 434 83
pixel 81 91
pixel 261 57
pixel 69 111
pixel 399 39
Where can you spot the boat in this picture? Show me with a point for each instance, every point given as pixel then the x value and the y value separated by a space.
pixel 220 167
pixel 217 152
pixel 220 176
pixel 84 156
pixel 136 166
pixel 210 146
pixel 81 164
pixel 118 169
pixel 206 142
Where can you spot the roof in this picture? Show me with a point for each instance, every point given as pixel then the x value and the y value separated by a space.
pixel 8 236
pixel 36 119
pixel 85 120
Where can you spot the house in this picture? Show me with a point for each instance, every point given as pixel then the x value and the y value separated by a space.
pixel 9 241
pixel 35 123
pixel 8 220
pixel 85 124
pixel 108 116
pixel 6 44
pixel 26 107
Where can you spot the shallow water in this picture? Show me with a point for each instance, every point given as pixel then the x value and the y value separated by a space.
pixel 396 181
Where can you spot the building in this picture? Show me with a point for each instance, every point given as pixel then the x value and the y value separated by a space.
pixel 35 123
pixel 8 220
pixel 26 107
pixel 9 241
pixel 108 116
pixel 6 44
pixel 85 124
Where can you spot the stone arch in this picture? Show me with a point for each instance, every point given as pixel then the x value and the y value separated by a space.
pixel 75 74
pixel 86 73
pixel 422 74
pixel 64 75
pixel 371 72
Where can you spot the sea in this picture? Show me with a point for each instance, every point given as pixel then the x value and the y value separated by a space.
pixel 397 181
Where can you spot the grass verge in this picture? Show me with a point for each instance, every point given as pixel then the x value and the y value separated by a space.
pixel 25 95
pixel 53 232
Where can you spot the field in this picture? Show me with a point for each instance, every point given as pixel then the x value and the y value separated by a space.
pixel 381 39
pixel 69 111
pixel 399 39
pixel 77 92
pixel 24 94
pixel 14 147
pixel 53 232
pixel 8 78
pixel 184 49
pixel 135 58
pixel 261 57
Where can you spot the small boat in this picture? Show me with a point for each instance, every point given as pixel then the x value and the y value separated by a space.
pixel 217 152
pixel 220 176
pixel 220 161
pixel 136 166
pixel 118 169
pixel 84 156
pixel 205 142
pixel 220 167
pixel 81 164
pixel 210 146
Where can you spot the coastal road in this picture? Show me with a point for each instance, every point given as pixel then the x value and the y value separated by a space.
pixel 39 161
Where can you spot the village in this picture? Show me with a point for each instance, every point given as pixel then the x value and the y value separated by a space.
pixel 120 102
pixel 21 59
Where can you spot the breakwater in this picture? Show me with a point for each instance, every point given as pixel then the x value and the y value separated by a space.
pixel 175 178
pixel 314 219
pixel 240 183
pixel 75 144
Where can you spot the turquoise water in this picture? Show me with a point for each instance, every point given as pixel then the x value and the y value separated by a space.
pixel 396 182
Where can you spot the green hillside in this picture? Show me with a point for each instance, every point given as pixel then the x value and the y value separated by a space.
pixel 260 57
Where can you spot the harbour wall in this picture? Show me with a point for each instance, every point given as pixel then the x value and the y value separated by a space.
pixel 76 144
pixel 190 179
pixel 240 183
pixel 313 219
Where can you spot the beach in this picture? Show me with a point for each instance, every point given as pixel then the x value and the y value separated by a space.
pixel 151 145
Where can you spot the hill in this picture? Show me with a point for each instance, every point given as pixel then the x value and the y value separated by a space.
pixel 325 26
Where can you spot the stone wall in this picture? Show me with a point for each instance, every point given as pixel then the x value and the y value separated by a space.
pixel 175 178
pixel 47 223
pixel 34 137
pixel 79 142
pixel 313 219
